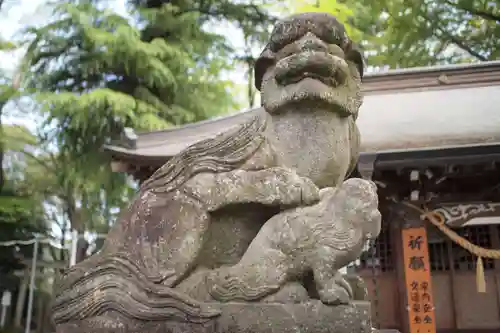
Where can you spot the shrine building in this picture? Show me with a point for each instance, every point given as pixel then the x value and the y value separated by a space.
pixel 430 137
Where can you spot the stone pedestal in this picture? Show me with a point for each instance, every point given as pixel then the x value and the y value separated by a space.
pixel 312 317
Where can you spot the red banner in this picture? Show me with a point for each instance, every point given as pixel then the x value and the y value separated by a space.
pixel 418 281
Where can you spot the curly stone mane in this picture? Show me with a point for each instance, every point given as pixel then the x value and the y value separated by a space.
pixel 98 286
pixel 225 152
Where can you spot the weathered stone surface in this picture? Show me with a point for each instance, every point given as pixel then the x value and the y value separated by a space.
pixel 358 285
pixel 312 317
pixel 259 215
pixel 320 238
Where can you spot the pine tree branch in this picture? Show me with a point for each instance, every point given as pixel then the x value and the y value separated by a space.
pixel 40 161
pixel 254 13
pixel 454 39
pixel 481 13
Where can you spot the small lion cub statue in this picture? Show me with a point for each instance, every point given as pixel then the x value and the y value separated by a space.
pixel 321 239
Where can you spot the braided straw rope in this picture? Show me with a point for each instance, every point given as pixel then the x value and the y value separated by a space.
pixel 480 252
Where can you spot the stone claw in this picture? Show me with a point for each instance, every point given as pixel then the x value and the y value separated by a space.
pixel 343 283
pixel 292 189
pixel 337 291
pixel 335 295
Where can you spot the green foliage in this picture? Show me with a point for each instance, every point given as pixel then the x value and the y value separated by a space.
pixel 21 211
pixel 402 33
pixel 248 19
pixel 21 218
pixel 21 214
pixel 8 90
pixel 16 209
pixel 110 79
pixel 16 138
pixel 96 72
pixel 249 16
pixel 341 11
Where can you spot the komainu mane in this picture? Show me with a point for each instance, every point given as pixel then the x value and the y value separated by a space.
pixel 132 257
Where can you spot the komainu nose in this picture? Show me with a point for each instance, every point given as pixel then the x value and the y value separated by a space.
pixel 310 42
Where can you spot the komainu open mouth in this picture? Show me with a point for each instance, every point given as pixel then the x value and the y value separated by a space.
pixel 320 66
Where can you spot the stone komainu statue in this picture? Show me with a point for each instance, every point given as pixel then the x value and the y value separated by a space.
pixel 259 214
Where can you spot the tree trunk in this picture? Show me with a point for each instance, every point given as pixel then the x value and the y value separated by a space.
pixel 76 222
pixel 81 249
pixel 62 251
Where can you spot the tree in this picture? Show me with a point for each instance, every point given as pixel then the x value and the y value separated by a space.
pixel 22 215
pixel 250 19
pixel 21 218
pixel 8 91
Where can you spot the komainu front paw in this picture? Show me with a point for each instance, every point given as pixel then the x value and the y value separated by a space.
pixel 293 189
pixel 284 187
pixel 310 192
pixel 335 295
pixel 335 292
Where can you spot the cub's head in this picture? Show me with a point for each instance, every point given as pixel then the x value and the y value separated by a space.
pixel 361 203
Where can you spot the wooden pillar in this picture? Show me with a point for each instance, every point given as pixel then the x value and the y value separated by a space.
pixel 397 257
pixel 21 299
pixel 414 273
pixel 41 302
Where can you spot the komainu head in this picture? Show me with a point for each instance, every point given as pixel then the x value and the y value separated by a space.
pixel 310 58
